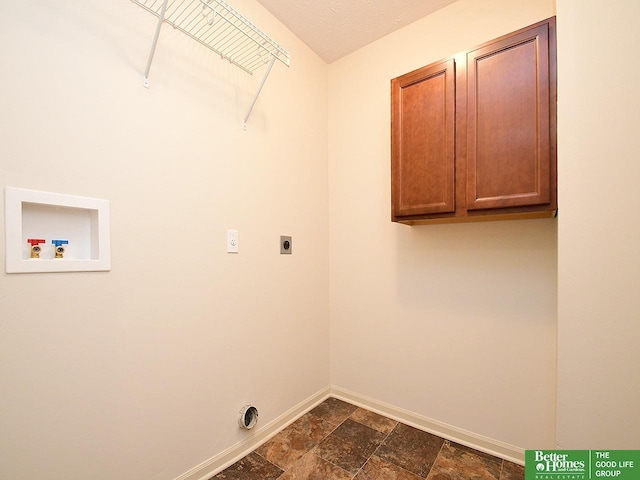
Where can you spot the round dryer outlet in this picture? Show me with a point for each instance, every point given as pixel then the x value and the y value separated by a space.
pixel 248 417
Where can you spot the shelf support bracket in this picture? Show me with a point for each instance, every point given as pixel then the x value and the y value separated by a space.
pixel 255 98
pixel 155 43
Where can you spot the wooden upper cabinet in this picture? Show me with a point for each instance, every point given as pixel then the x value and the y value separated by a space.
pixel 508 121
pixel 423 141
pixel 475 138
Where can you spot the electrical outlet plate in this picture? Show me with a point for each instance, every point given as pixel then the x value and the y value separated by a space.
pixel 286 245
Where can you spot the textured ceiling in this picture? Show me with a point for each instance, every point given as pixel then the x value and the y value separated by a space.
pixel 334 28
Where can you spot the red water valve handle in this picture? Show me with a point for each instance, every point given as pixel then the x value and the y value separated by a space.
pixel 35 241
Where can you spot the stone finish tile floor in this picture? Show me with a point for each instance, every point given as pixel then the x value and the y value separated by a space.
pixel 339 441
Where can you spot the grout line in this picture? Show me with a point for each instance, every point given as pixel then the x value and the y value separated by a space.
pixel 338 466
pixel 337 426
pixel 268 461
pixel 436 459
pixel 374 452
pixel 314 446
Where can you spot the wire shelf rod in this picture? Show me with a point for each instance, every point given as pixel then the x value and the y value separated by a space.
pixel 217 26
pixel 255 98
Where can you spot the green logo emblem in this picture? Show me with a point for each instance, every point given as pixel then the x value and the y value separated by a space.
pixel 582 464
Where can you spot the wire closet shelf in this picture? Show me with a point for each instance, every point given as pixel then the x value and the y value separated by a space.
pixel 217 26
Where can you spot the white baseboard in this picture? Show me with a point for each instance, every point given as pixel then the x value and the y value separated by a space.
pixel 228 457
pixel 458 435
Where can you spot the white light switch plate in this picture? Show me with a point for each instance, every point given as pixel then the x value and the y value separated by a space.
pixel 232 241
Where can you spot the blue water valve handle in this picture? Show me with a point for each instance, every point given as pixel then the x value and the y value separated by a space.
pixel 59 248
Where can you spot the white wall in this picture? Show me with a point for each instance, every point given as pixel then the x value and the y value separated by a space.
pixel 139 373
pixel 599 231
pixel 453 322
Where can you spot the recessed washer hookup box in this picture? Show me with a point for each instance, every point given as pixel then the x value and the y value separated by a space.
pixel 75 231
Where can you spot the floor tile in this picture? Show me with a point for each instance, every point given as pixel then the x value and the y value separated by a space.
pixel 456 462
pixel 313 467
pixel 251 467
pixel 350 445
pixel 333 410
pixel 511 471
pixel 373 420
pixel 411 449
pixel 285 448
pixel 378 469
pixel 339 441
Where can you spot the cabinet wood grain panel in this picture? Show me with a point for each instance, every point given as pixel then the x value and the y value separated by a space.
pixel 508 121
pixel 423 141
pixel 473 138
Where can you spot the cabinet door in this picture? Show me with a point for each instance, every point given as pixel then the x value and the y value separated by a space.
pixel 423 141
pixel 509 154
